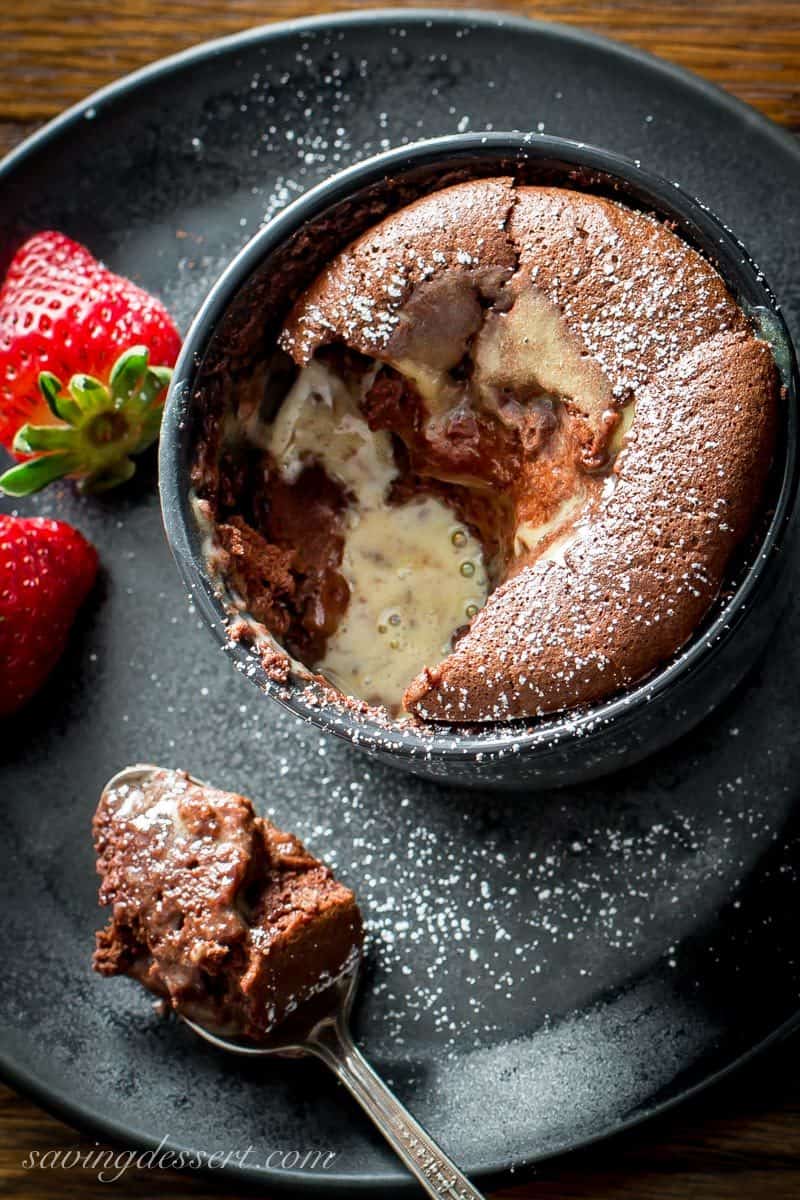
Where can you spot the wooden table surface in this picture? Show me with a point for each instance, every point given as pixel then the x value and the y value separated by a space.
pixel 741 1138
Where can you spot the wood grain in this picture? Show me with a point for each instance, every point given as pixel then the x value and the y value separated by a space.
pixel 743 1137
pixel 53 52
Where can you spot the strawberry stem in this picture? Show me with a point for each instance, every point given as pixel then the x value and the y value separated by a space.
pixel 104 424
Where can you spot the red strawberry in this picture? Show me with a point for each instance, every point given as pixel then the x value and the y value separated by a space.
pixel 46 571
pixel 65 317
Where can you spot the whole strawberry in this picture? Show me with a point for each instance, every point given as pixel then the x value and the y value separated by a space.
pixel 78 396
pixel 46 571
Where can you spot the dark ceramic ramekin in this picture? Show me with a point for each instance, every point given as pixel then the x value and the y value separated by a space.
pixel 242 315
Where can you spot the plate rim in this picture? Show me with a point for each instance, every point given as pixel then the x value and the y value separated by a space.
pixel 509 1173
pixel 389 16
pixel 88 1119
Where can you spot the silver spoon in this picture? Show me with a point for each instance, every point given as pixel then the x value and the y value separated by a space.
pixel 321 1028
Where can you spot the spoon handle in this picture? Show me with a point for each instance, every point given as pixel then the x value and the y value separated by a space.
pixel 439 1176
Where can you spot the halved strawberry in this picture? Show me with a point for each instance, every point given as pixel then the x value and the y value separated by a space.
pixel 77 391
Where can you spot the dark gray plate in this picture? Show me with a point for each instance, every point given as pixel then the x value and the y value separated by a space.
pixel 543 971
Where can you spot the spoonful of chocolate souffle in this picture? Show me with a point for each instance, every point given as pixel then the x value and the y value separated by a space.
pixel 246 936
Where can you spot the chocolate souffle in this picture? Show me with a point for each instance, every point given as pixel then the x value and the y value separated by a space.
pixel 232 922
pixel 502 461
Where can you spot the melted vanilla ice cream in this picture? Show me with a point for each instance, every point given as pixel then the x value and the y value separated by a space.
pixel 415 573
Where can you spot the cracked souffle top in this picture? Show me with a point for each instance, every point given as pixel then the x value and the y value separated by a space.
pixel 502 461
pixel 228 919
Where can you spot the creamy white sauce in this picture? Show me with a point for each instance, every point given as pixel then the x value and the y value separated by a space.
pixel 415 574
pixel 320 422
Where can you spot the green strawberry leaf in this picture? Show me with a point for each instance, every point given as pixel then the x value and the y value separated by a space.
pixel 30 438
pixel 50 386
pixel 89 394
pixel 127 372
pixel 153 384
pixel 104 426
pixel 30 476
pixel 59 402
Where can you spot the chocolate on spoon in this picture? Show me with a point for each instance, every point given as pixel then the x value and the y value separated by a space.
pixel 246 936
